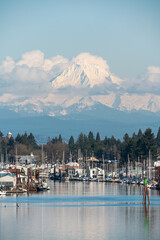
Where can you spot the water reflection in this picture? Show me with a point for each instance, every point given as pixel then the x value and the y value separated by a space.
pixel 146 220
pixel 76 217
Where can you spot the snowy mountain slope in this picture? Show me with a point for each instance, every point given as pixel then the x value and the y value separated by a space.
pixel 85 71
pixel 65 105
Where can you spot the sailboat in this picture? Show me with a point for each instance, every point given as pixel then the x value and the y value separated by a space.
pixel 43 185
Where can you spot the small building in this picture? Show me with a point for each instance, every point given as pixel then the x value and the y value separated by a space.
pixel 74 169
pixel 27 159
pixel 8 180
pixel 96 173
pixel 71 172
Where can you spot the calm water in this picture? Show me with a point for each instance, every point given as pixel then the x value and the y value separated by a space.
pixel 81 211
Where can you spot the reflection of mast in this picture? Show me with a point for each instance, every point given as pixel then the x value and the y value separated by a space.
pixel 146 218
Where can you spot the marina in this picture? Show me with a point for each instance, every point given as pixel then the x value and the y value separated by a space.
pixel 47 195
pixel 86 199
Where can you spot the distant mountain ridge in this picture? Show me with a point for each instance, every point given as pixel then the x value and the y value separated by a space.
pixel 111 123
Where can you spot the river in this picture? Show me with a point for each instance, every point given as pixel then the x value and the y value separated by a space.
pixel 81 211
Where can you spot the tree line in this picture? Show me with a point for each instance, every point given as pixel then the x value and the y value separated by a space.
pixel 85 146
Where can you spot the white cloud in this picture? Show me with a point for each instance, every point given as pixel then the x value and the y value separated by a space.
pixel 32 59
pixel 30 75
pixel 7 65
pixel 148 82
pixel 153 75
pixel 85 59
pixel 58 61
pixel 7 98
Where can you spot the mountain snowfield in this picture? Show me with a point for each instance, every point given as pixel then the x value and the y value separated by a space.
pixel 85 71
pixel 58 87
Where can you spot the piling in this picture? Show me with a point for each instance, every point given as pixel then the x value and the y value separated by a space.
pixel 146 192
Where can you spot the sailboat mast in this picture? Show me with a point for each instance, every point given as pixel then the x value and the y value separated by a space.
pixel 103 168
pixel 42 163
pixel 149 164
pixel 128 166
pixel 137 166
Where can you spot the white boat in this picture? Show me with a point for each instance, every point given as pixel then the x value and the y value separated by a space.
pixel 142 182
pixel 2 192
pixel 149 185
pixel 45 186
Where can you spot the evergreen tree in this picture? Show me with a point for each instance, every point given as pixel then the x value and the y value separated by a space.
pixel 18 138
pixel 25 140
pixel 105 141
pixel 1 134
pixel 91 140
pixel 98 138
pixel 54 140
pixel 32 140
pixel 11 142
pixel 126 138
pixel 158 138
pixel 127 147
pixel 139 144
pixel 71 143
pixel 112 141
pixel 83 144
pixel 140 134
pixel 60 138
pixel 149 143
pixel 3 146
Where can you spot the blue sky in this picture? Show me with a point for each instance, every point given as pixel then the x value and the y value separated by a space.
pixel 123 32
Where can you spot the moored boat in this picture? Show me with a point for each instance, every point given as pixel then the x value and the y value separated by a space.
pixel 2 192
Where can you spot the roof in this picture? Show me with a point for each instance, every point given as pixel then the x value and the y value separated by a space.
pixel 92 159
pixel 3 174
pixel 72 164
pixel 96 168
pixel 14 170
pixel 7 178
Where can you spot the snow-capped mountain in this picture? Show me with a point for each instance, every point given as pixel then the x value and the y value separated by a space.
pixel 85 71
pixel 57 95
pixel 34 85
